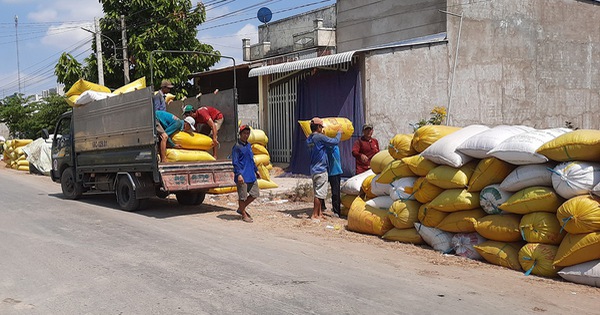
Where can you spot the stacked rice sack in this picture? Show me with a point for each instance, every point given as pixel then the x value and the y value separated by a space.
pixel 194 147
pixel 13 154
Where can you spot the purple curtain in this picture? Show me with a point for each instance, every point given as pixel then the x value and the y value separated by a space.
pixel 328 94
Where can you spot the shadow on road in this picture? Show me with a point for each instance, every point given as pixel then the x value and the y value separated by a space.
pixel 153 207
pixel 300 213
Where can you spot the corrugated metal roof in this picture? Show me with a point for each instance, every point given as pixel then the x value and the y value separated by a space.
pixel 303 64
pixel 340 58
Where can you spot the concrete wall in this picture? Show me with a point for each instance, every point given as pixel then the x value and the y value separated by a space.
pixel 402 86
pixel 533 62
pixel 281 32
pixel 368 23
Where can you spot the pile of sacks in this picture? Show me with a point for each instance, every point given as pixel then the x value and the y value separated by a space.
pixel 262 159
pixel 83 92
pixel 194 148
pixel 511 195
pixel 13 154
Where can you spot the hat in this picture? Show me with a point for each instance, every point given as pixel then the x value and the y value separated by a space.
pixel 190 120
pixel 166 83
pixel 316 121
pixel 188 108
pixel 367 126
pixel 244 127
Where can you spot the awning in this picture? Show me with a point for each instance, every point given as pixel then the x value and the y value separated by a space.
pixel 303 64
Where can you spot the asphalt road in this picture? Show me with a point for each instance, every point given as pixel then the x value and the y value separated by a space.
pixel 87 257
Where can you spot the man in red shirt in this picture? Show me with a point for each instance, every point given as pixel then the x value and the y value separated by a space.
pixel 206 116
pixel 364 148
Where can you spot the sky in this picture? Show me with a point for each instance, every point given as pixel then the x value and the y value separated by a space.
pixel 46 29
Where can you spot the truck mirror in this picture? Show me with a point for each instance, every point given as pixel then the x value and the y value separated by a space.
pixel 45 134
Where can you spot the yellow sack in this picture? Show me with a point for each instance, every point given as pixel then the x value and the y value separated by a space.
pixel 194 141
pixel 537 259
pixel 368 220
pixel 83 85
pixel 262 159
pixel 380 160
pixel 423 190
pixel 24 168
pixel 133 86
pixel 410 236
pixel 269 166
pixel 72 99
pixel 266 184
pixel 328 124
pixel 452 200
pixel 461 221
pixel 578 145
pixel 169 98
pixel 263 172
pixel 394 170
pixel 489 171
pixel 533 199
pixel 580 215
pixel 183 155
pixel 499 227
pixel 347 201
pixel 258 136
pixel 400 146
pixel 404 214
pixel 17 143
pixel 428 134
pixel 366 186
pixel 259 149
pixel 419 165
pixel 222 190
pixel 23 163
pixel 430 217
pixel 541 227
pixel 501 254
pixel 578 248
pixel 448 177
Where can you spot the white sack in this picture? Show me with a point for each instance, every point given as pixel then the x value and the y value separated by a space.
pixel 491 197
pixel 379 189
pixel 39 155
pixel 463 245
pixel 353 185
pixel 571 179
pixel 398 188
pixel 444 151
pixel 526 176
pixel 585 273
pixel 382 202
pixel 90 96
pixel 520 149
pixel 436 238
pixel 478 145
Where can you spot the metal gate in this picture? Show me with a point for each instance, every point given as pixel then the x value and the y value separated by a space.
pixel 281 107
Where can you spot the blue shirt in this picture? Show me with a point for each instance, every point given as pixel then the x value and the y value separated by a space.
pixel 169 123
pixel 317 142
pixel 334 161
pixel 242 159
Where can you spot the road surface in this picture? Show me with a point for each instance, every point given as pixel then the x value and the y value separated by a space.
pixel 87 257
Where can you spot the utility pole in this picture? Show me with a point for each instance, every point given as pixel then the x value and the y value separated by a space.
pixel 17 40
pixel 125 60
pixel 99 51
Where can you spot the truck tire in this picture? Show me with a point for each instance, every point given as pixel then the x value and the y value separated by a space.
pixel 71 189
pixel 190 198
pixel 126 195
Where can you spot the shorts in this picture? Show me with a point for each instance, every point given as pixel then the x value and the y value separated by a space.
pixel 247 189
pixel 320 185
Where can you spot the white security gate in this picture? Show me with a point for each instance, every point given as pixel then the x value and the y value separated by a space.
pixel 281 107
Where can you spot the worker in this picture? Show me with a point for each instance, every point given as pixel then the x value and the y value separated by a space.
pixel 158 100
pixel 364 148
pixel 169 125
pixel 206 116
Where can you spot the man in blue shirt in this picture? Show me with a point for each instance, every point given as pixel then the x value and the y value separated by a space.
pixel 158 100
pixel 245 173
pixel 317 142
pixel 169 124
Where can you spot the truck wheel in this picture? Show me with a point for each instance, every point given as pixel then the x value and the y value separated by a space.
pixel 190 198
pixel 71 189
pixel 126 195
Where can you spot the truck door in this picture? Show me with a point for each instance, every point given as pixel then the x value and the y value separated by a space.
pixel 61 147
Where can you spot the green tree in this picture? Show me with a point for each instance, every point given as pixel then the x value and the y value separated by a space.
pixel 26 118
pixel 68 70
pixel 152 25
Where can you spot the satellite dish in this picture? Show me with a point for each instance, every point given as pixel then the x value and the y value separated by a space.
pixel 264 15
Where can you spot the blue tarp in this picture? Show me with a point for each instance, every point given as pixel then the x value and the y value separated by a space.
pixel 328 94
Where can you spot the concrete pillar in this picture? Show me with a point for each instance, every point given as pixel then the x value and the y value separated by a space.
pixel 246 49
